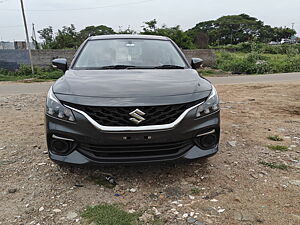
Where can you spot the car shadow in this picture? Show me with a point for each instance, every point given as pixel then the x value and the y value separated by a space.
pixel 154 174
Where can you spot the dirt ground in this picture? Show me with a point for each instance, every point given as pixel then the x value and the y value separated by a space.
pixel 233 187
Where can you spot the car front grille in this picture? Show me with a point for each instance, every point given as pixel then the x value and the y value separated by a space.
pixel 119 116
pixel 138 152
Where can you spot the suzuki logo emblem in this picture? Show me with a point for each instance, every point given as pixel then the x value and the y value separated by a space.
pixel 137 116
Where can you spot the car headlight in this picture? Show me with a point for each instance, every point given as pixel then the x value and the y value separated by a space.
pixel 210 105
pixel 56 109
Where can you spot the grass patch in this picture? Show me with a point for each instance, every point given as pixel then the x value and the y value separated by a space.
pixel 24 73
pixel 210 72
pixel 106 214
pixel 195 191
pixel 257 63
pixel 275 138
pixel 278 148
pixel 102 181
pixel 274 165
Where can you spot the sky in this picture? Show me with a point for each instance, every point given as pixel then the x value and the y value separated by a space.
pixel 133 13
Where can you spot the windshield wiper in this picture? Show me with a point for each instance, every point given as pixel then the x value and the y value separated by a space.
pixel 118 67
pixel 168 67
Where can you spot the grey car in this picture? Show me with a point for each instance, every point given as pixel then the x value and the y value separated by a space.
pixel 131 99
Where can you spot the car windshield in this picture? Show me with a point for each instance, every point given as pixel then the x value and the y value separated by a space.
pixel 129 54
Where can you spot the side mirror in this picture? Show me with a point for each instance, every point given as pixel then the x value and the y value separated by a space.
pixel 60 63
pixel 196 63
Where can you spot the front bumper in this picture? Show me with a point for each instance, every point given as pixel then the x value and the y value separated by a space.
pixel 89 145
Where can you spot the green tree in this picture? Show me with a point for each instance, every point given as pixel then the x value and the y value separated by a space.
pixel 236 29
pixel 93 31
pixel 126 31
pixel 181 38
pixel 67 37
pixel 47 35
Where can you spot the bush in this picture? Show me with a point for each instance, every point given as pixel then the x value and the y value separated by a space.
pixel 255 63
pixel 24 72
pixel 262 48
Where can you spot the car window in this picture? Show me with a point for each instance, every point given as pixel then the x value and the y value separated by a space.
pixel 131 52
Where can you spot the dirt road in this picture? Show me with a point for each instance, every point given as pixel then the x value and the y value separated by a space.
pixel 245 183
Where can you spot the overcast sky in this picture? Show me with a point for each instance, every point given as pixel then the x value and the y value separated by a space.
pixel 186 13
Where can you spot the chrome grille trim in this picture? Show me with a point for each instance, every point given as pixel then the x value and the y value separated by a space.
pixel 141 128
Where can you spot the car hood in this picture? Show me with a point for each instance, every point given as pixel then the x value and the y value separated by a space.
pixel 124 87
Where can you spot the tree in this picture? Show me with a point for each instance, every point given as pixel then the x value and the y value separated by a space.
pixel 126 31
pixel 94 30
pixel 181 38
pixel 47 35
pixel 66 38
pixel 235 29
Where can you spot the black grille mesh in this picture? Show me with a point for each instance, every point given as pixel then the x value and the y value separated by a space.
pixel 127 151
pixel 119 116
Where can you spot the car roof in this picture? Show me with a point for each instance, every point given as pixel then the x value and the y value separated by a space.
pixel 129 36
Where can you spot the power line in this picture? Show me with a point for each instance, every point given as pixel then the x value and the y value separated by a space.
pixel 80 9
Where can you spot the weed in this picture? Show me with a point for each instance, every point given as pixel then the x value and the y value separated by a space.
pixel 278 148
pixel 274 165
pixel 195 191
pixel 105 214
pixel 102 181
pixel 275 138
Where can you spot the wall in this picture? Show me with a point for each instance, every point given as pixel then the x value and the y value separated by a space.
pixel 12 59
pixel 206 54
pixel 44 57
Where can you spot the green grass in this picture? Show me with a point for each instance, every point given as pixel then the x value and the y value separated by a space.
pixel 281 148
pixel 210 72
pixel 257 63
pixel 101 180
pixel 274 165
pixel 195 191
pixel 24 73
pixel 106 214
pixel 275 138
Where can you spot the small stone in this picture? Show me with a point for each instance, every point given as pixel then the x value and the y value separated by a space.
pixel 146 217
pixel 253 175
pixel 214 200
pixel 156 212
pixel 191 197
pixel 295 182
pixel 56 210
pixel 199 223
pixel 244 216
pixel 131 211
pixel 232 143
pixel 191 220
pixel 221 210
pixel 71 215
pixel 41 209
pixel 133 190
pixel 185 215
pixel 296 217
pixel 237 199
pixel 12 190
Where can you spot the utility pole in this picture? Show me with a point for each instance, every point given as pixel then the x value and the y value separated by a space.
pixel 293 24
pixel 34 37
pixel 27 36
